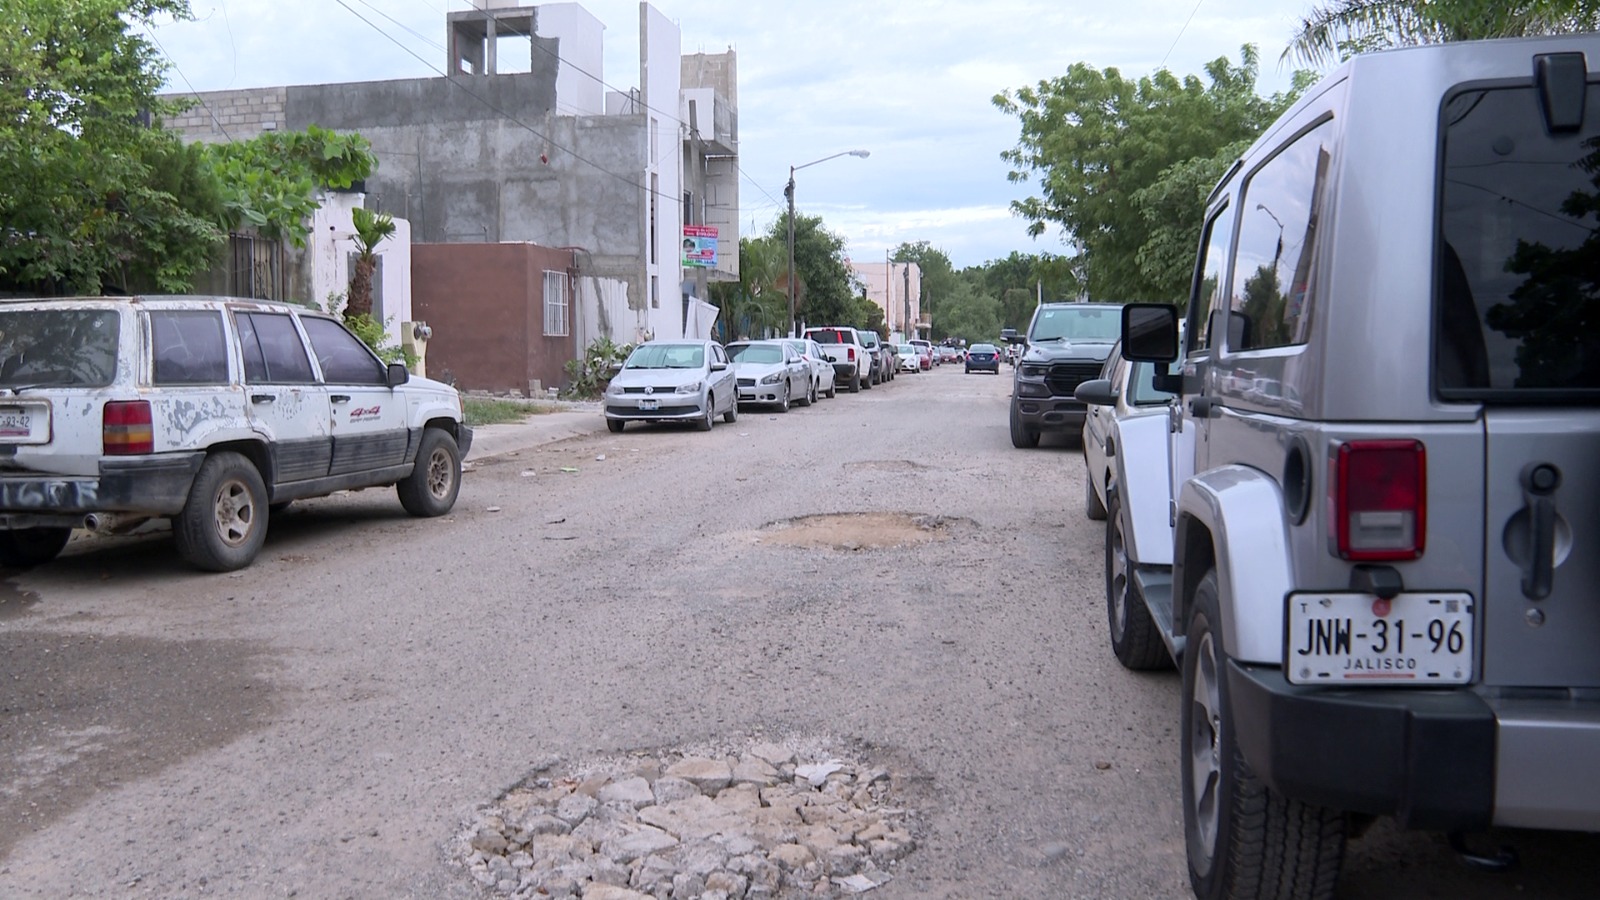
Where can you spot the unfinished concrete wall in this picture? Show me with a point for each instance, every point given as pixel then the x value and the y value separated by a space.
pixel 485 303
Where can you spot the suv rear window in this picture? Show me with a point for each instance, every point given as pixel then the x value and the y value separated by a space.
pixel 830 336
pixel 1518 271
pixel 58 347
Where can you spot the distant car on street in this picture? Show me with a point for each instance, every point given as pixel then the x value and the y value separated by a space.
pixel 983 358
pixel 909 359
pixel 822 381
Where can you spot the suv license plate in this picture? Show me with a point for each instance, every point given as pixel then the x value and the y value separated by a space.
pixel 24 424
pixel 1414 639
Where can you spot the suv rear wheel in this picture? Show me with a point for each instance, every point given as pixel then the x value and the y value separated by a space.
pixel 435 480
pixel 224 522
pixel 24 548
pixel 1244 840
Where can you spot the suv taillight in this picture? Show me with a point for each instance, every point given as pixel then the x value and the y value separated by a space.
pixel 1380 504
pixel 850 354
pixel 125 428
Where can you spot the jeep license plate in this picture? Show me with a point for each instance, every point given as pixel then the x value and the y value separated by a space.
pixel 24 424
pixel 1414 639
pixel 649 405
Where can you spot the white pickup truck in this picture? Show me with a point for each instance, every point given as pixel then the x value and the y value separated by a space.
pixel 842 345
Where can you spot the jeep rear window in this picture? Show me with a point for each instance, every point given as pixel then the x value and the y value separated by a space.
pixel 1518 262
pixel 58 347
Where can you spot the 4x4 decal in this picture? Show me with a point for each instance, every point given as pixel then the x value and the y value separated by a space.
pixel 368 412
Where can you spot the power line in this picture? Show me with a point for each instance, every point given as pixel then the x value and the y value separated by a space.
pixel 1181 34
pixel 214 119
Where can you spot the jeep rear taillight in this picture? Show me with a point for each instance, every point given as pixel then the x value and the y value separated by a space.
pixel 1380 502
pixel 125 428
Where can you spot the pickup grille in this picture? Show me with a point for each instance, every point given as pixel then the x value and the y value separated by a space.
pixel 1064 377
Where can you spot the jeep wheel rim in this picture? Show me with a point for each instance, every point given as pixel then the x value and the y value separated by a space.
pixel 235 513
pixel 440 474
pixel 1205 740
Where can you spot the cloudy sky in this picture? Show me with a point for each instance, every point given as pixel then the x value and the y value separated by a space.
pixel 910 82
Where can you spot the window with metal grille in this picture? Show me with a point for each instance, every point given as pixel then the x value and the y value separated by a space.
pixel 555 304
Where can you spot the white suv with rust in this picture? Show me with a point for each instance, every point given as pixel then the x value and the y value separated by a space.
pixel 208 411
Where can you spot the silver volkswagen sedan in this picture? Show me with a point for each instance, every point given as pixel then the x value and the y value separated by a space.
pixel 673 381
pixel 771 372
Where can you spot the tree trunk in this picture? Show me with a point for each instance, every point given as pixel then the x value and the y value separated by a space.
pixel 359 301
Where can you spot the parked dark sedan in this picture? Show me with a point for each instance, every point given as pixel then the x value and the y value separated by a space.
pixel 983 358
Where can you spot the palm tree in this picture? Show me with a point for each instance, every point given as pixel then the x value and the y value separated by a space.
pixel 371 230
pixel 1341 28
pixel 758 301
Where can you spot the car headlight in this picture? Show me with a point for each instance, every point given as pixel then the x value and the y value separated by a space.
pixel 614 390
pixel 774 378
pixel 1033 371
pixel 1030 389
pixel 691 388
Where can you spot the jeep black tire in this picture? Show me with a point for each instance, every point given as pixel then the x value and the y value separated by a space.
pixel 1022 437
pixel 1134 638
pixel 435 480
pixel 24 548
pixel 1245 841
pixel 224 521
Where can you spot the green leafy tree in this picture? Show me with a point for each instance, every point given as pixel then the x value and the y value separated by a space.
pixel 1094 139
pixel 969 314
pixel 758 302
pixel 822 279
pixel 92 197
pixel 271 181
pixel 1342 28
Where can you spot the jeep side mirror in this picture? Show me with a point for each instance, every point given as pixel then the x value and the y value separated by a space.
pixel 1097 392
pixel 397 374
pixel 1150 332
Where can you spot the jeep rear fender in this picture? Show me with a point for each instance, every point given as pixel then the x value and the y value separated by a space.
pixel 1140 467
pixel 1233 517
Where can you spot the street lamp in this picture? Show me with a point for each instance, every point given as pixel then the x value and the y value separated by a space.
pixel 788 192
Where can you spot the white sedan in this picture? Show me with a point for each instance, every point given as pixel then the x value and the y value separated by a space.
pixel 771 372
pixel 822 383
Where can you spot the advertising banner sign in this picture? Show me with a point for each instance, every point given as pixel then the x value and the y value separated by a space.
pixel 700 245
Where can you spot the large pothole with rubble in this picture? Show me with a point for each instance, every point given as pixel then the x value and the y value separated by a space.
pixel 861 531
pixel 773 820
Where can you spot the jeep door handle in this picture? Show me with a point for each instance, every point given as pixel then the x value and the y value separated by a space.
pixel 263 398
pixel 340 398
pixel 1539 484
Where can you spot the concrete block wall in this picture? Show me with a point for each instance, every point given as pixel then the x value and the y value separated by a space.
pixel 218 116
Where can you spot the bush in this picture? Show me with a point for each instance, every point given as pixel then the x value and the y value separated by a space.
pixel 591 372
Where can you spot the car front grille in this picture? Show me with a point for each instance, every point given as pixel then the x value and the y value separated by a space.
pixel 747 382
pixel 1064 378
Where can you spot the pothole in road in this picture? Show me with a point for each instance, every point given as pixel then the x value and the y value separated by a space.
pixel 862 531
pixel 774 820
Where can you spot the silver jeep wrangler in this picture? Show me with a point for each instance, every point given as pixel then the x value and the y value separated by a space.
pixel 209 411
pixel 1367 530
